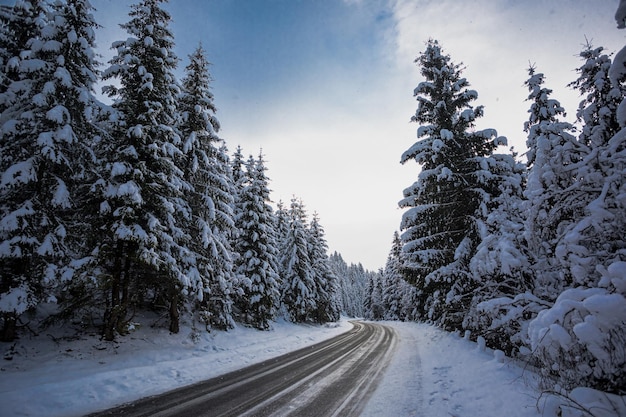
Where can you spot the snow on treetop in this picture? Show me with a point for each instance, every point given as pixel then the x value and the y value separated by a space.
pixel 20 172
pixel 72 37
pixel 16 299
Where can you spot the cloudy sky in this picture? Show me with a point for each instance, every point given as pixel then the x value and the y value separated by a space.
pixel 325 87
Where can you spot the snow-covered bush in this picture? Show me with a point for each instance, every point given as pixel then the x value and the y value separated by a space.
pixel 503 321
pixel 581 339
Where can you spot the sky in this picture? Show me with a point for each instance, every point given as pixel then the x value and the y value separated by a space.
pixel 325 88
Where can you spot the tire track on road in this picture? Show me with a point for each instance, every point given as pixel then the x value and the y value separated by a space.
pixel 334 377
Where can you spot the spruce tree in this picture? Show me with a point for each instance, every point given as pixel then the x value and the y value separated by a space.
pixel 326 282
pixel 143 247
pixel 440 232
pixel 298 291
pixel 586 320
pixel 552 155
pixel 205 164
pixel 20 24
pixel 47 134
pixel 344 295
pixel 598 115
pixel 502 303
pixel 393 282
pixel 373 299
pixel 256 245
pixel 238 174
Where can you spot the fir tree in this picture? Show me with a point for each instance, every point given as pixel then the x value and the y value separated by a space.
pixel 502 304
pixel 20 25
pixel 47 134
pixel 339 267
pixel 597 113
pixel 580 338
pixel 238 174
pixel 143 248
pixel 440 230
pixel 552 155
pixel 326 282
pixel 206 167
pixel 256 245
pixel 393 282
pixel 373 300
pixel 298 291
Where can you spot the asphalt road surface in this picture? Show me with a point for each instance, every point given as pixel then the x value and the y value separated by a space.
pixel 331 378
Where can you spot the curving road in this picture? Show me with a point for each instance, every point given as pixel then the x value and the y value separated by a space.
pixel 331 378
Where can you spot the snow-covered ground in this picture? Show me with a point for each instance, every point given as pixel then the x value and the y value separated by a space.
pixel 432 373
pixel 435 373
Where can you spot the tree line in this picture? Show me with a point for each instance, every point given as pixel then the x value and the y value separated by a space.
pixel 106 209
pixel 528 255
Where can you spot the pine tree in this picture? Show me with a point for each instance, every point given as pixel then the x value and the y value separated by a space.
pixel 440 233
pixel 281 219
pixel 20 24
pixel 352 281
pixel 298 291
pixel 238 175
pixel 393 282
pixel 344 295
pixel 256 245
pixel 552 156
pixel 326 282
pixel 206 167
pixel 502 303
pixel 143 247
pixel 597 113
pixel 373 300
pixel 580 338
pixel 47 134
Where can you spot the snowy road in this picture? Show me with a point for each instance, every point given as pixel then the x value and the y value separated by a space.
pixel 331 378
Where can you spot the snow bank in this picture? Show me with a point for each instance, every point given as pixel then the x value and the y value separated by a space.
pixel 42 378
pixel 436 373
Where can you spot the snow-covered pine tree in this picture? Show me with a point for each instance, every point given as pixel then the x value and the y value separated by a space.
pixel 143 247
pixel 352 281
pixel 440 233
pixel 597 114
pixel 281 219
pixel 393 282
pixel 47 135
pixel 256 245
pixel 502 303
pixel 20 288
pixel 373 297
pixel 281 226
pixel 239 177
pixel 19 24
pixel 339 267
pixel 552 155
pixel 206 168
pixel 409 302
pixel 581 338
pixel 326 281
pixel 298 290
pixel 597 111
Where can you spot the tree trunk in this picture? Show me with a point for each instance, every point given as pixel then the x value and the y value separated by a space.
pixel 112 310
pixel 8 329
pixel 174 314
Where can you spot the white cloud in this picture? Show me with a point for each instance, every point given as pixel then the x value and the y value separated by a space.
pixel 498 40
